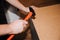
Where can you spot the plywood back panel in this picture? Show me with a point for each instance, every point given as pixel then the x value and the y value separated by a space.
pixel 47 22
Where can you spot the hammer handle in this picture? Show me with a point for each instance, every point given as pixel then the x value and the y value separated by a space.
pixel 26 18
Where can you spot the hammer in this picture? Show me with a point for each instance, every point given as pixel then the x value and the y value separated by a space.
pixel 30 14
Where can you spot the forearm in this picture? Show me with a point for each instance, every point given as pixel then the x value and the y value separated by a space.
pixel 17 4
pixel 4 29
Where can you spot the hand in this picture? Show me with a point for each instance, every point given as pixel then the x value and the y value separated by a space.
pixel 18 26
pixel 27 9
pixel 24 12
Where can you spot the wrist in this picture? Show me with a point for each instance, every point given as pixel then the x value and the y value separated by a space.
pixel 9 29
pixel 6 29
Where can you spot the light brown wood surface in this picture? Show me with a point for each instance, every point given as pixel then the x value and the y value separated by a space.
pixel 47 22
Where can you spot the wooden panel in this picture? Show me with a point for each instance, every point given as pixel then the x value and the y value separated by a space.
pixel 38 3
pixel 47 22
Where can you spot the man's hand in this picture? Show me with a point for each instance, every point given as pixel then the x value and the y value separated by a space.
pixel 24 12
pixel 18 26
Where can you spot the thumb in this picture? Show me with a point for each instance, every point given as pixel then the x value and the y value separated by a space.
pixel 25 22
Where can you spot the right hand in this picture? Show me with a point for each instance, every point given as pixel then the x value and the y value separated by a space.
pixel 18 26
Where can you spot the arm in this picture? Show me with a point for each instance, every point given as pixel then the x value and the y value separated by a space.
pixel 4 29
pixel 15 27
pixel 18 5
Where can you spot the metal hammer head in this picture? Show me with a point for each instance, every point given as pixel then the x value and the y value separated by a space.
pixel 33 12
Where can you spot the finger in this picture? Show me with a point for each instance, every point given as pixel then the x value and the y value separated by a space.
pixel 25 22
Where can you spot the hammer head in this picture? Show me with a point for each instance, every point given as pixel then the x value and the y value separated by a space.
pixel 33 12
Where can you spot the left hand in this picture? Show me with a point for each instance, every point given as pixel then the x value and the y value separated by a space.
pixel 26 10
